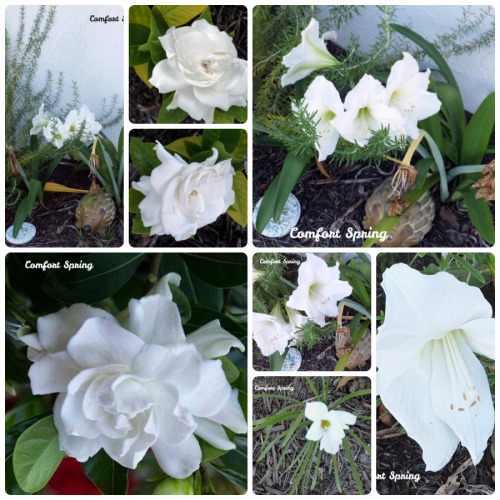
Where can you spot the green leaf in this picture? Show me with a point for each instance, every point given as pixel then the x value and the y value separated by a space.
pixel 222 117
pixel 209 452
pixel 266 208
pixel 184 145
pixel 143 156
pixel 134 199
pixel 177 15
pixel 138 36
pixel 158 28
pixel 140 14
pixel 478 132
pixel 109 476
pixel 423 166
pixel 238 210
pixel 292 170
pixel 182 302
pixel 233 138
pixel 37 455
pixel 176 115
pixel 276 360
pixel 200 316
pixel 109 273
pixel 234 463
pixel 11 485
pixel 230 370
pixel 222 270
pixel 138 226
pixel 479 213
pixel 208 138
pixel 12 434
pixel 26 206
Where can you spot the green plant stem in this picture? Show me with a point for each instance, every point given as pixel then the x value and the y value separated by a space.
pixel 353 466
pixel 463 169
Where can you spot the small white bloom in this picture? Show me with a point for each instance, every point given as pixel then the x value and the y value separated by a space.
pixel 271 332
pixel 428 375
pixel 128 389
pixel 91 127
pixel 319 290
pixel 310 55
pixel 40 121
pixel 56 133
pixel 181 197
pixel 366 111
pixel 328 427
pixel 406 90
pixel 203 69
pixel 297 321
pixel 323 98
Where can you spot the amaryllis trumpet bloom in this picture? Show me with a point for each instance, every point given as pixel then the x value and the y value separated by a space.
pixel 310 55
pixel 320 288
pixel 428 375
pixel 328 427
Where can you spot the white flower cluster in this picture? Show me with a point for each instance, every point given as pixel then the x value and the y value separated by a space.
pixel 369 106
pixel 181 197
pixel 318 292
pixel 136 384
pixel 80 123
pixel 203 69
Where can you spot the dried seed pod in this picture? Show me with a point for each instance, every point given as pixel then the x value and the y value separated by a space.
pixel 343 344
pixel 361 353
pixel 411 228
pixel 95 212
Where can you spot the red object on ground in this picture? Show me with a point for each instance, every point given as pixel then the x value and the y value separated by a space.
pixel 69 479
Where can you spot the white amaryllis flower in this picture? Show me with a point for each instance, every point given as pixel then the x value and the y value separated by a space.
pixel 40 121
pixel 82 122
pixel 406 90
pixel 328 427
pixel 319 290
pixel 182 197
pixel 203 69
pixel 128 389
pixel 271 332
pixel 323 99
pixel 310 55
pixel 297 321
pixel 56 133
pixel 367 111
pixel 428 375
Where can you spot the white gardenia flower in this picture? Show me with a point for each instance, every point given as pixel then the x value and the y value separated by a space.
pixel 367 111
pixel 319 290
pixel 310 55
pixel 428 375
pixel 323 98
pixel 328 427
pixel 128 389
pixel 40 121
pixel 181 197
pixel 203 69
pixel 56 133
pixel 271 332
pixel 406 90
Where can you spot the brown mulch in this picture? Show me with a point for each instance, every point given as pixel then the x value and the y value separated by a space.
pixel 145 102
pixel 324 205
pixel 55 219
pixel 402 455
pixel 224 232
pixel 267 478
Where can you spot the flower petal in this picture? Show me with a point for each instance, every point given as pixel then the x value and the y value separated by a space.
pixel 213 434
pixel 101 342
pixel 315 410
pixel 315 432
pixel 480 335
pixel 329 443
pixel 213 341
pixel 52 373
pixel 231 415
pixel 178 460
pixel 461 394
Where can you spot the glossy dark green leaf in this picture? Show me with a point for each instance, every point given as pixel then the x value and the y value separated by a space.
pixel 176 115
pixel 222 270
pixel 37 455
pixel 143 156
pixel 231 138
pixel 208 137
pixel 200 316
pixel 480 214
pixel 177 15
pixel 109 273
pixel 138 226
pixel 138 35
pixel 134 198
pixel 209 452
pixel 182 302
pixel 234 463
pixel 230 370
pixel 16 362
pixel 109 476
pixel 265 213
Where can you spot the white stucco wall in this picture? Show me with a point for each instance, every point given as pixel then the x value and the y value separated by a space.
pixel 474 73
pixel 90 53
